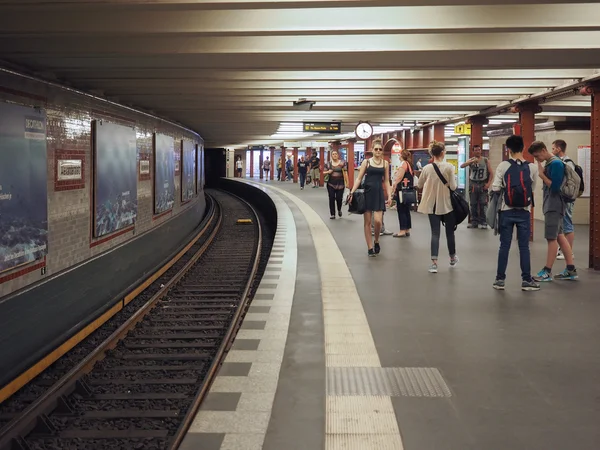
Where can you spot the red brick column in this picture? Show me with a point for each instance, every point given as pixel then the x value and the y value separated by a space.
pixel 527 112
pixel 477 123
pixel 295 164
pixel 272 162
pixel 595 181
pixel 350 163
pixel 251 163
pixel 438 133
pixel 321 165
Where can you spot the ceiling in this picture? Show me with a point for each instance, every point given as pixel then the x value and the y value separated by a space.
pixel 230 69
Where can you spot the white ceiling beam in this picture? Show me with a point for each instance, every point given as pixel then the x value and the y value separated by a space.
pixel 300 20
pixel 347 43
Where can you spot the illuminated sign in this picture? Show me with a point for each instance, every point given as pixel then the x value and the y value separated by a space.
pixel 463 128
pixel 322 127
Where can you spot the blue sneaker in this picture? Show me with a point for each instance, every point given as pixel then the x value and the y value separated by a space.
pixel 542 275
pixel 567 275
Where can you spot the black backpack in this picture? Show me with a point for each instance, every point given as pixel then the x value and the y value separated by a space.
pixel 579 172
pixel 517 179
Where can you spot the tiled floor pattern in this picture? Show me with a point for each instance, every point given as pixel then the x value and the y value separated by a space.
pixel 237 410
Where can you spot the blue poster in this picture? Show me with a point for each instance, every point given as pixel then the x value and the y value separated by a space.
pixel 420 159
pixel 115 178
pixel 164 173
pixel 188 173
pixel 23 186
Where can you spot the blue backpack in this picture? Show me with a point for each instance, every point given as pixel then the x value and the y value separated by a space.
pixel 517 179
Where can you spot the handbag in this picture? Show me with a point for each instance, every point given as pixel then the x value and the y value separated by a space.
pixel 407 196
pixel 358 203
pixel 460 207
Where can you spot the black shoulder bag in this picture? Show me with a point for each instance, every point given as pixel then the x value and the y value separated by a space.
pixel 460 207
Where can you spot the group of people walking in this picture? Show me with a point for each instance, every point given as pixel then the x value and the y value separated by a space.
pixel 512 186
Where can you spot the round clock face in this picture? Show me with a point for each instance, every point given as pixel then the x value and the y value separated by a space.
pixel 364 130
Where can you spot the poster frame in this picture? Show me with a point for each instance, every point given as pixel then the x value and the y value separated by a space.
pixel 94 187
pixel 156 214
pixel 39 262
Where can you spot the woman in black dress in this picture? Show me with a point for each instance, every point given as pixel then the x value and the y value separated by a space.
pixel 375 171
pixel 403 183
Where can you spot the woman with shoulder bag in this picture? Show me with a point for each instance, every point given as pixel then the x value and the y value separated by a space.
pixel 436 202
pixel 405 193
pixel 375 170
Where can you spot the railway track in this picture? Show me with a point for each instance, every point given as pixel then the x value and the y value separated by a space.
pixel 141 387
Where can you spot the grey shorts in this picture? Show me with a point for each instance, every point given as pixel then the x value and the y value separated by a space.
pixel 314 173
pixel 553 225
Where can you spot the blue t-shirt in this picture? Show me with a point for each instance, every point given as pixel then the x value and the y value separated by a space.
pixel 553 201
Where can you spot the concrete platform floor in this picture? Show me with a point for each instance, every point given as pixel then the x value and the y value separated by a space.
pixel 521 369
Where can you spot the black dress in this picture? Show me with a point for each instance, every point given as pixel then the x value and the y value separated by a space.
pixel 374 195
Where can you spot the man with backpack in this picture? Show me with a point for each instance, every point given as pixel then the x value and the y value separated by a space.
pixel 515 179
pixel 559 149
pixel 559 187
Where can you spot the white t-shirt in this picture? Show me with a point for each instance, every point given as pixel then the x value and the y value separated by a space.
pixel 238 164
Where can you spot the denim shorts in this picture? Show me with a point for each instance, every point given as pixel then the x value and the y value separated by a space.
pixel 568 218
pixel 553 225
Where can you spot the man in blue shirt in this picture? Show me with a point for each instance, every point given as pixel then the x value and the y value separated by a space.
pixel 552 174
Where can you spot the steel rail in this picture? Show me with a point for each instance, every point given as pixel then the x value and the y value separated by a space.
pixel 24 422
pixel 225 343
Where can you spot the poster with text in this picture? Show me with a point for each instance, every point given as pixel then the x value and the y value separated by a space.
pixel 115 185
pixel 23 186
pixel 420 159
pixel 584 159
pixel 164 173
pixel 188 174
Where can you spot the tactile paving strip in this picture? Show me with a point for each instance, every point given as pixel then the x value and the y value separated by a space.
pixel 387 381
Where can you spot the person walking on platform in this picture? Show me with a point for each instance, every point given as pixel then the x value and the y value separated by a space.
pixel 480 179
pixel 515 182
pixel 559 149
pixel 375 171
pixel 289 169
pixel 279 165
pixel 239 166
pixel 302 171
pixel 314 169
pixel 403 189
pixel 552 174
pixel 436 203
pixel 266 168
pixel 337 179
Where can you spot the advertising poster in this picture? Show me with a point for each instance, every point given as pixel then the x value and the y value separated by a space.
pixel 452 158
pixel 420 159
pixel 584 159
pixel 115 186
pixel 396 160
pixel 164 173
pixel 188 174
pixel 23 186
pixel 463 145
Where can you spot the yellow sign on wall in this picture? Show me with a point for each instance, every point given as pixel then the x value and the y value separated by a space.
pixel 463 128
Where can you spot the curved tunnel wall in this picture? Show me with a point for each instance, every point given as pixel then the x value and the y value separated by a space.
pixel 69 117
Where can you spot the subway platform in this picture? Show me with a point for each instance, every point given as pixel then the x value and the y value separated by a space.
pixel 343 351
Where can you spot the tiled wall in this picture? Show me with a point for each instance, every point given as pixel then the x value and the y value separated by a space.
pixel 69 129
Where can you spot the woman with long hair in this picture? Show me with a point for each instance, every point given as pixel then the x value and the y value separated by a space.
pixel 337 181
pixel 375 170
pixel 403 184
pixel 435 202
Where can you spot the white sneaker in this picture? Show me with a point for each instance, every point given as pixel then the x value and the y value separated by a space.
pixel 433 268
pixel 560 255
pixel 454 261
